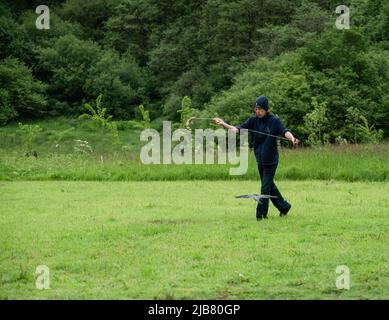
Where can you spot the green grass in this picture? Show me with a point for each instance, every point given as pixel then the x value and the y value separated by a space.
pixel 192 239
pixel 121 163
pixel 153 233
pixel 353 163
pixel 46 142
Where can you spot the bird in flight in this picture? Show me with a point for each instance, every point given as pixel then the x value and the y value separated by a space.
pixel 256 197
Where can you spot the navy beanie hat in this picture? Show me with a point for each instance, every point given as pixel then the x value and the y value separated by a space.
pixel 262 103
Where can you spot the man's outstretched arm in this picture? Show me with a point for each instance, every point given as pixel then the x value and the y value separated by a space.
pixel 288 135
pixel 221 122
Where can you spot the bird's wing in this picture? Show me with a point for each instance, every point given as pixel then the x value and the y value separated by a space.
pixel 246 196
pixel 249 196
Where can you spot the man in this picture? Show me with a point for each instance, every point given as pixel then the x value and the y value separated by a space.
pixel 266 153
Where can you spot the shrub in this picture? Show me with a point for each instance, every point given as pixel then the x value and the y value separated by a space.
pixel 20 93
pixel 28 135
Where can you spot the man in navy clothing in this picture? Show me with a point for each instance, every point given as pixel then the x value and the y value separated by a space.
pixel 266 152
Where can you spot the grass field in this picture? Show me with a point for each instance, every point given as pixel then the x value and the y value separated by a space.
pixel 354 163
pixel 57 159
pixel 192 239
pixel 109 227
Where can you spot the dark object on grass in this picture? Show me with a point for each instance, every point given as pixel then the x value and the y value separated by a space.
pixel 33 153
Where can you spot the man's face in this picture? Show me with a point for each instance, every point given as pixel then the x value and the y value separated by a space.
pixel 259 112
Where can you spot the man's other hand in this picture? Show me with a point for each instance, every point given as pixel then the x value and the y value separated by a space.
pixel 219 121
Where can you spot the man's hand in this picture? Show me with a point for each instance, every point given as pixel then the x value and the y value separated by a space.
pixel 219 121
pixel 291 138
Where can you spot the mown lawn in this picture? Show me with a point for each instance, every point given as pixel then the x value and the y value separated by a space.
pixel 192 239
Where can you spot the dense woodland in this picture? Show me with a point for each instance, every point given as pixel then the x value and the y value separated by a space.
pixel 327 85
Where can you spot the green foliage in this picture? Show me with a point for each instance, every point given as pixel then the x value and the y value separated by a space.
pixel 60 135
pixel 38 39
pixel 12 38
pixel 282 80
pixel 310 18
pixel 98 115
pixel 91 14
pixel 193 83
pixel 334 49
pixel 372 16
pixel 66 65
pixel 345 73
pixel 102 119
pixel 185 111
pixel 7 112
pixel 121 82
pixel 368 133
pixel 220 54
pixel 352 118
pixel 307 21
pixel 315 123
pixel 360 129
pixel 28 134
pixel 20 94
pixel 129 28
pixel 337 69
pixel 82 146
pixel 146 123
pixel 275 40
pixel 361 162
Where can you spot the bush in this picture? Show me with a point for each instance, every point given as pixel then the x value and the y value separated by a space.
pixel 282 80
pixel 20 94
pixel 14 41
pixel 102 119
pixel 338 70
pixel 28 134
pixel 315 124
pixel 121 82
pixel 66 66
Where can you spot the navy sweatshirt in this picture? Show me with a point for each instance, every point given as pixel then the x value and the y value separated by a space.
pixel 265 147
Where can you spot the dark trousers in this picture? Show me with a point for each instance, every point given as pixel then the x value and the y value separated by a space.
pixel 268 187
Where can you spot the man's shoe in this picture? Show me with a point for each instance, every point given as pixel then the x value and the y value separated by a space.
pixel 285 211
pixel 261 217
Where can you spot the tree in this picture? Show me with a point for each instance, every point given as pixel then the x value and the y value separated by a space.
pixel 20 95
pixel 66 67
pixel 14 41
pixel 91 15
pixel 120 80
pixel 282 80
pixel 334 49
